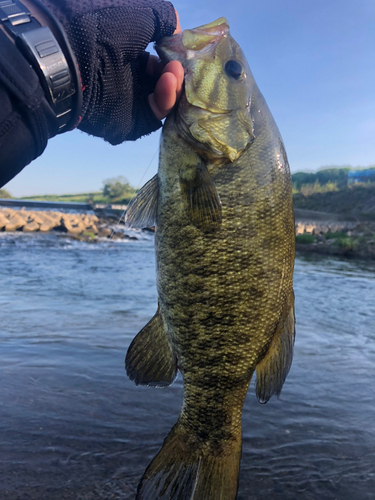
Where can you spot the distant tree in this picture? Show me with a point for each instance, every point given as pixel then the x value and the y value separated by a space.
pixel 117 189
pixel 324 176
pixel 338 175
pixel 4 194
pixel 299 179
pixel 90 198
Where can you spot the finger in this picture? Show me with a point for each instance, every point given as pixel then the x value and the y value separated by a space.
pixel 175 67
pixel 155 67
pixel 164 97
pixel 178 26
pixel 168 90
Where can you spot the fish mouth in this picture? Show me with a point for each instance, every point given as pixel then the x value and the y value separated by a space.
pixel 191 44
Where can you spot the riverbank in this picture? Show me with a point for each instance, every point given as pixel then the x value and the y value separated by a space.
pixel 331 234
pixel 87 227
pixel 339 222
pixel 355 202
pixel 316 232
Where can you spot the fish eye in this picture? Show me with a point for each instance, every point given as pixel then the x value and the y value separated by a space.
pixel 233 69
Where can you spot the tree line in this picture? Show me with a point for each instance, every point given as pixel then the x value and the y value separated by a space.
pixel 325 179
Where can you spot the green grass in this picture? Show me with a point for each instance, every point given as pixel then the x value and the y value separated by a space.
pixel 337 235
pixel 342 240
pixel 95 197
pixel 347 243
pixel 305 239
pixel 89 234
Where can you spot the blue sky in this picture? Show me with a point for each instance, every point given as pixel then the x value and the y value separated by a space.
pixel 313 61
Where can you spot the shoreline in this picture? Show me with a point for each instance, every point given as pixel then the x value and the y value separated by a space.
pixel 364 253
pixel 350 239
pixel 316 232
pixel 85 227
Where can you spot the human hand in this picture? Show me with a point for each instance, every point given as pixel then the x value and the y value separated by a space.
pixel 109 38
pixel 168 88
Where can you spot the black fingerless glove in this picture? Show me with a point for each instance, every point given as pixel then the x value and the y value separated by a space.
pixel 109 38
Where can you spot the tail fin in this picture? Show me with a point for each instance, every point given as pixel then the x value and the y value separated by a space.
pixel 185 470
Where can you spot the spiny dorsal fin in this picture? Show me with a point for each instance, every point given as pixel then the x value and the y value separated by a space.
pixel 142 210
pixel 200 196
pixel 149 360
pixel 274 367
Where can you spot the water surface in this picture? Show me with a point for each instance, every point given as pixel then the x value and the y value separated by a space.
pixel 72 426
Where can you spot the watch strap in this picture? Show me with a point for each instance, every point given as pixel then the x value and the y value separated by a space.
pixel 40 47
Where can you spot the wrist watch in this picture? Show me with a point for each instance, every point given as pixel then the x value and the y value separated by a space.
pixel 59 79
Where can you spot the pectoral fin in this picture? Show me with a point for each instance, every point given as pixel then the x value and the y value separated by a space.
pixel 200 196
pixel 274 367
pixel 149 360
pixel 142 210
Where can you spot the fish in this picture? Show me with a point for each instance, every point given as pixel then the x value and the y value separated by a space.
pixel 225 245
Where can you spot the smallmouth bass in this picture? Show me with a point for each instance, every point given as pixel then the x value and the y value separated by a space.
pixel 222 206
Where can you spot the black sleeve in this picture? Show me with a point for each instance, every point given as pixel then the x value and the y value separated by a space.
pixel 26 119
pixel 108 38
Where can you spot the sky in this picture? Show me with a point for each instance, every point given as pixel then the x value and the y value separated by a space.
pixel 313 61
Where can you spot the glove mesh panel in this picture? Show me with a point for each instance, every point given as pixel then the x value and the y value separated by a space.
pixel 109 38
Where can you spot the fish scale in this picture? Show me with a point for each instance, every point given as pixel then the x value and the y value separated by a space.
pixel 224 241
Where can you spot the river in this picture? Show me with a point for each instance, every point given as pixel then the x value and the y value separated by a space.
pixel 73 427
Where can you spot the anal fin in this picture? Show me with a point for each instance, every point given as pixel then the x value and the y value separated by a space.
pixel 273 369
pixel 149 360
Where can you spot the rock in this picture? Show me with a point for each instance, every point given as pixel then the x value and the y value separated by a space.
pixel 70 219
pixel 74 228
pixel 49 222
pixel 3 221
pixel 92 229
pixel 14 223
pixel 86 220
pixel 8 212
pixel 104 232
pixel 72 223
pixel 54 216
pixel 35 218
pixel 300 228
pixel 117 235
pixel 46 226
pixel 30 227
